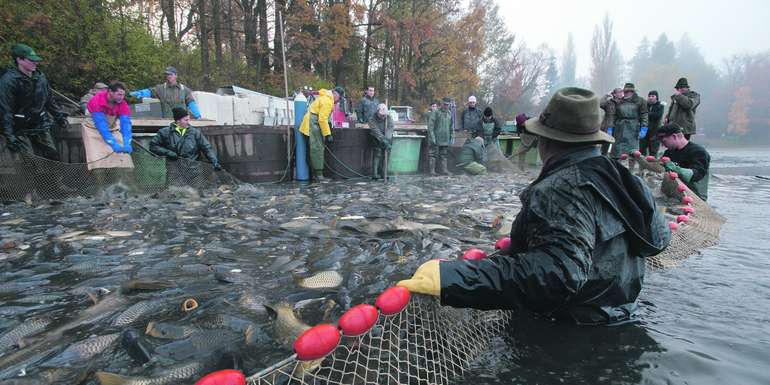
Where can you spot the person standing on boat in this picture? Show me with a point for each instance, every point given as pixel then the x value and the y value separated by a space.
pixel 381 131
pixel 27 106
pixel 171 94
pixel 367 106
pixel 689 160
pixel 107 134
pixel 315 126
pixel 579 242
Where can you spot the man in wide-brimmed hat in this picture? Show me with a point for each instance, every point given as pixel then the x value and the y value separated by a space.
pixel 630 122
pixel 579 243
pixel 684 103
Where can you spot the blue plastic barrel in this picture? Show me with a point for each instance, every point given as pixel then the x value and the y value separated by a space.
pixel 301 172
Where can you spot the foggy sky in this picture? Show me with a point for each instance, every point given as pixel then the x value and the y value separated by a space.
pixel 719 28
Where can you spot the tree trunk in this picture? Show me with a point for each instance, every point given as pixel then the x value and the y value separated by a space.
pixel 280 6
pixel 250 32
pixel 168 7
pixel 384 66
pixel 367 45
pixel 231 35
pixel 263 53
pixel 216 18
pixel 203 38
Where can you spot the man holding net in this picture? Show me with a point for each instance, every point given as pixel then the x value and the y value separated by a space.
pixel 580 240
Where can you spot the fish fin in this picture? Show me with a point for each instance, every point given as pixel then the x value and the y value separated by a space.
pixel 106 378
pixel 271 312
pixel 150 327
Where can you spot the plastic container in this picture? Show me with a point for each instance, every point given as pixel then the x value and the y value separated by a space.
pixel 405 154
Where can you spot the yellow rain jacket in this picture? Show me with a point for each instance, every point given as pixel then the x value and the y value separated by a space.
pixel 321 106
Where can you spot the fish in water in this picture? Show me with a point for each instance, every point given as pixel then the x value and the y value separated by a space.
pixel 172 376
pixel 169 331
pixel 27 328
pixel 198 345
pixel 144 284
pixel 286 326
pixel 329 279
pixel 83 350
pixel 252 302
pixel 137 311
pixel 136 347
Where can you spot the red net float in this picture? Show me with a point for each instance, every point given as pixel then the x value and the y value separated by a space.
pixel 682 218
pixel 317 342
pixel 665 159
pixel 686 200
pixel 474 254
pixel 393 300
pixel 623 156
pixel 358 320
pixel 681 187
pixel 223 377
pixel 673 175
pixel 688 210
pixel 650 158
pixel 503 244
pixel 636 154
pixel 673 226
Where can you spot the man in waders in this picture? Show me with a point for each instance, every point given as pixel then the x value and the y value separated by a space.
pixel 630 122
pixel 440 137
pixel 579 243
pixel 489 127
pixel 381 131
pixel 171 94
pixel 315 127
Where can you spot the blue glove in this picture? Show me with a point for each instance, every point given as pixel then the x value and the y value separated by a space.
pixel 100 121
pixel 145 93
pixel 194 111
pixel 126 132
pixel 610 130
pixel 643 132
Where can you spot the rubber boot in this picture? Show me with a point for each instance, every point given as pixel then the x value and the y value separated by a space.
pixel 443 170
pixel 376 167
pixel 318 176
pixel 432 164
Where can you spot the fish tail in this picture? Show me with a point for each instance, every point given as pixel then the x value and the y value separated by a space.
pixel 106 378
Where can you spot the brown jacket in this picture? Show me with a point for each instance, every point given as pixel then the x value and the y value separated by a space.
pixel 682 111
pixel 608 104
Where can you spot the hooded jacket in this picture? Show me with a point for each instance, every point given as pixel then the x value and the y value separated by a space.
pixel 321 106
pixel 682 111
pixel 486 118
pixel 578 246
pixel 188 145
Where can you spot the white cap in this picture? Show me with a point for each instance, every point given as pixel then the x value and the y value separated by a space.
pixel 382 109
pixel 471 99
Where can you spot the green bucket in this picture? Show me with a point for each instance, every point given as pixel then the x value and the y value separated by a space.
pixel 405 154
pixel 149 170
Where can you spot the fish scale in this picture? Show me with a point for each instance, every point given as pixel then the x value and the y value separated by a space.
pixel 137 311
pixel 324 280
pixel 83 350
pixel 171 376
pixel 27 328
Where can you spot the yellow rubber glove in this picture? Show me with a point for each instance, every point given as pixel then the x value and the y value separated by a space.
pixel 426 280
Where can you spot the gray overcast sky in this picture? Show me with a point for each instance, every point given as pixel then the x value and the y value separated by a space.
pixel 719 28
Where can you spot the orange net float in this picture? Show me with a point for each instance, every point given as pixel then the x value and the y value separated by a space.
pixel 189 304
pixel 682 218
pixel 681 187
pixel 623 156
pixel 358 320
pixel 474 254
pixel 673 175
pixel 317 342
pixel 688 210
pixel 503 244
pixel 637 154
pixel 650 158
pixel 223 377
pixel 686 200
pixel 393 300
pixel 665 159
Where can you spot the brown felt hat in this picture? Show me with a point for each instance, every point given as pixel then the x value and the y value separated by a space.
pixel 571 116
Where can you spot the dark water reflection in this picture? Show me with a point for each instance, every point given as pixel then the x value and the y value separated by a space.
pixel 704 322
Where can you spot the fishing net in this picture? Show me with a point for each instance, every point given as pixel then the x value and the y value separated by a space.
pixel 28 177
pixel 497 162
pixel 425 343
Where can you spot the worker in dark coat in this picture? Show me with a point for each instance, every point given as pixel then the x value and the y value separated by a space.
pixel 580 240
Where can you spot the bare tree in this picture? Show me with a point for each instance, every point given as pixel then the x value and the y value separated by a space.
pixel 605 71
pixel 568 63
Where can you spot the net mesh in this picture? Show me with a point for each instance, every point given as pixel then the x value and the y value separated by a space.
pixel 28 177
pixel 497 162
pixel 427 343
